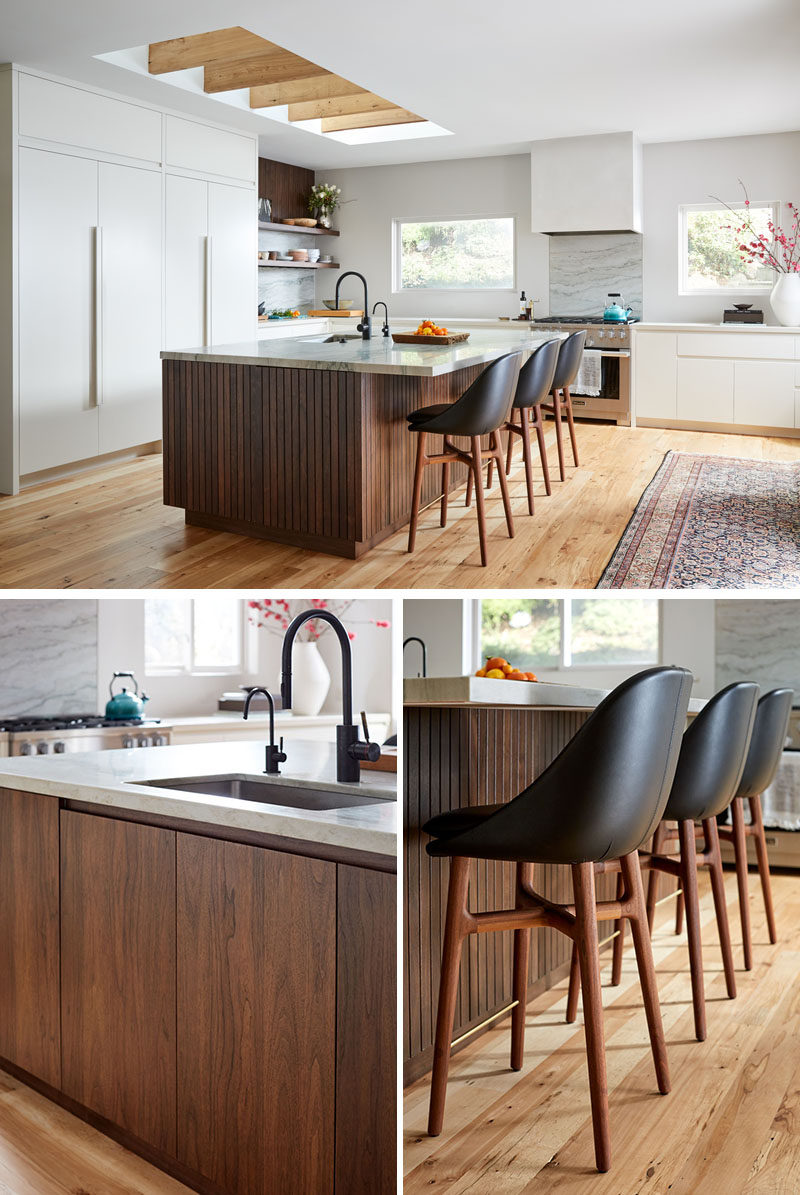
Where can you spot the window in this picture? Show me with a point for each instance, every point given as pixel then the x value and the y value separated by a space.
pixel 193 635
pixel 710 261
pixel 454 254
pixel 543 634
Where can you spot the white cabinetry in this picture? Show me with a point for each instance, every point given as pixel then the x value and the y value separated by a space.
pixel 763 393
pixel 51 111
pixel 705 390
pixel 233 228
pixel 655 364
pixel 194 146
pixel 185 256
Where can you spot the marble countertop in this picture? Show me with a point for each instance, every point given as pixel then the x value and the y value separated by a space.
pixel 109 778
pixel 378 355
pixel 479 690
pixel 646 326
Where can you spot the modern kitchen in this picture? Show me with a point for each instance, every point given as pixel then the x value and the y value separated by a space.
pixel 198 843
pixel 271 262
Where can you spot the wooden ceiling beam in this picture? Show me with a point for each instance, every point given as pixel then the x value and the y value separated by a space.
pixel 369 120
pixel 339 106
pixel 274 66
pixel 183 53
pixel 299 91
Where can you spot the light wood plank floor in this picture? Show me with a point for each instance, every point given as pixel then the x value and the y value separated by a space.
pixel 108 529
pixel 46 1151
pixel 731 1123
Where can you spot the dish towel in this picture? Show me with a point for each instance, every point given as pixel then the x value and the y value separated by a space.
pixel 589 377
pixel 781 801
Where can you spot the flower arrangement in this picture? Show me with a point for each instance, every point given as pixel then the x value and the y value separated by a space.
pixel 275 614
pixel 780 254
pixel 324 197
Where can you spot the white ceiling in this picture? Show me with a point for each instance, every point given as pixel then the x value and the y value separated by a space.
pixel 499 75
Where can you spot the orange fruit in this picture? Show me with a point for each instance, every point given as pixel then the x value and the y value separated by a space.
pixel 495 662
pixel 516 675
pixel 530 676
pixel 481 672
pixel 496 674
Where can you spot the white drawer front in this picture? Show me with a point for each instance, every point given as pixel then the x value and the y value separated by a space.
pixel 705 391
pixel 193 146
pixel 70 116
pixel 759 345
pixel 763 393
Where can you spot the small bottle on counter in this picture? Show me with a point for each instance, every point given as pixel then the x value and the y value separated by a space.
pixel 529 309
pixel 523 306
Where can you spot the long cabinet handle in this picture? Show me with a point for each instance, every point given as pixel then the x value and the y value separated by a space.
pixel 207 295
pixel 98 316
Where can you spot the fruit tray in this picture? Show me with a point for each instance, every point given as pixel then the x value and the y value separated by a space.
pixel 412 338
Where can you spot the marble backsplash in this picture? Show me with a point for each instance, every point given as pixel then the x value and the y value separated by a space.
pixel 286 287
pixel 48 656
pixel 583 269
pixel 759 641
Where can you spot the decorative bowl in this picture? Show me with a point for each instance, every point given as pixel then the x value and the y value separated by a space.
pixel 313 255
pixel 344 304
pixel 298 254
pixel 305 223
pixel 743 306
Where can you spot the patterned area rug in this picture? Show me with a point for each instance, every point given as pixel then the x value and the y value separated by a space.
pixel 712 522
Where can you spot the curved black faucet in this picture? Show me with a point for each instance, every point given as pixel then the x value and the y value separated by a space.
pixel 275 755
pixel 421 642
pixel 385 329
pixel 365 327
pixel 349 749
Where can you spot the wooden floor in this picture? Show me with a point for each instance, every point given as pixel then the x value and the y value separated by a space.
pixel 731 1123
pixel 108 529
pixel 46 1151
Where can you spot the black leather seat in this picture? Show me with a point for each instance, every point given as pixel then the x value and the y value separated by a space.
pixel 600 799
pixel 482 409
pixel 569 361
pixel 536 379
pixel 766 746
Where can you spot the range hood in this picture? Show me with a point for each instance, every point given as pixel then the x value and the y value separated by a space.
pixel 586 185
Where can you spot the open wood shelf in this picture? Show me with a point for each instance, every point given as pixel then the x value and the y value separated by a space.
pixel 314 232
pixel 301 265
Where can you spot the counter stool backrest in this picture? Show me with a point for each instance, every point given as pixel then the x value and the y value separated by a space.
pixel 603 795
pixel 536 376
pixel 485 405
pixel 569 359
pixel 767 742
pixel 713 754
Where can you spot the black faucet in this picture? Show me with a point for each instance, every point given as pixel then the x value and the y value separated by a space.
pixel 349 749
pixel 365 327
pixel 385 329
pixel 275 755
pixel 421 642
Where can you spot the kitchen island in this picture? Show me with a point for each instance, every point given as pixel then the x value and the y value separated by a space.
pixel 305 441
pixel 207 979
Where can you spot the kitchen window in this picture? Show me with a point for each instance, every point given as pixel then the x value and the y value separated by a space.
pixel 194 636
pixel 475 254
pixel 709 256
pixel 549 634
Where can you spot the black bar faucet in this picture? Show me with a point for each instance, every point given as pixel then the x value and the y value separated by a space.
pixel 365 327
pixel 385 329
pixel 275 755
pixel 421 642
pixel 349 749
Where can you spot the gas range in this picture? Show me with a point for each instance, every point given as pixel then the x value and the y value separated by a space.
pixel 32 734
pixel 608 335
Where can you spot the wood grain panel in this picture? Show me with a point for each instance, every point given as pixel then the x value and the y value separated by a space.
pixel 30 1034
pixel 256 1017
pixel 457 757
pixel 287 188
pixel 298 91
pixel 118 973
pixel 366 1037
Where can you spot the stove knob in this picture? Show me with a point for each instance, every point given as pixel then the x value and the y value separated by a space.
pixel 601 334
pixel 611 335
pixel 42 748
pixel 59 747
pixel 26 748
pixel 160 740
pixel 128 741
pixel 143 741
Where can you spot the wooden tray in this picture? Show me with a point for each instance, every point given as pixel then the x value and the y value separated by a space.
pixel 412 338
pixel 386 763
pixel 341 314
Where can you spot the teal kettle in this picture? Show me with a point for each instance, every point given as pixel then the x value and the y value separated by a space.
pixel 615 313
pixel 125 704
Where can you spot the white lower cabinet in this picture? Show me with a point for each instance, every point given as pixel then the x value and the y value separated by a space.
pixel 705 390
pixel 655 375
pixel 763 393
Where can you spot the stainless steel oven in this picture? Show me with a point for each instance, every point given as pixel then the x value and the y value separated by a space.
pixel 613 343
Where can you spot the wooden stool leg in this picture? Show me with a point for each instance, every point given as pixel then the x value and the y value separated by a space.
pixel 468 501
pixel 526 456
pixel 652 883
pixel 445 488
pixel 586 941
pixel 574 987
pixel 538 423
pixel 763 863
pixel 522 943
pixel 632 876
pixel 501 477
pixel 417 490
pixel 448 989
pixel 479 500
pixel 689 885
pixel 489 473
pixel 510 445
pixel 679 910
pixel 571 422
pixel 559 437
pixel 739 840
pixel 718 890
pixel 619 941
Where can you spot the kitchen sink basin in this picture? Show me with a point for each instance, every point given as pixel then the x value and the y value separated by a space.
pixel 266 791
pixel 335 338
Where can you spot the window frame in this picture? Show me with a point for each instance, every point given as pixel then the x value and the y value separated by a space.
pixel 397 223
pixel 246 640
pixel 687 292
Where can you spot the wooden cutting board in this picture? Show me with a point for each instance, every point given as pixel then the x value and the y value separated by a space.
pixel 340 314
pixel 412 338
pixel 386 763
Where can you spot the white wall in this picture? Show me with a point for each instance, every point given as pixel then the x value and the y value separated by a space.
pixel 446 625
pixel 375 195
pixel 691 172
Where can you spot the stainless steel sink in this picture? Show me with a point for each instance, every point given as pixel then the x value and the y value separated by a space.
pixel 266 791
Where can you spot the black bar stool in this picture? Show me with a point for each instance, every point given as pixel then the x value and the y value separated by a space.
pixel 569 360
pixel 599 799
pixel 712 758
pixel 482 409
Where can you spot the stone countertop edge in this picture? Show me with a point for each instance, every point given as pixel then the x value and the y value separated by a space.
pixel 656 326
pixel 481 691
pixel 108 778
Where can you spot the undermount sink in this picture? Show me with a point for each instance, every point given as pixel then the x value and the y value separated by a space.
pixel 335 338
pixel 266 791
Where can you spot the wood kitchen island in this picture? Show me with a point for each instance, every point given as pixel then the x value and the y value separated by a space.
pixel 305 442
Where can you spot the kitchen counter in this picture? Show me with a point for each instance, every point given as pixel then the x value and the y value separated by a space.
pixel 108 778
pixel 465 691
pixel 645 326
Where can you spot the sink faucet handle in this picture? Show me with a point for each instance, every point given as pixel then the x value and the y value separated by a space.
pixel 361 751
pixel 364 724
pixel 281 753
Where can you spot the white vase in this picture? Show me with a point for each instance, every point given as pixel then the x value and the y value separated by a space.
pixel 310 679
pixel 785 300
